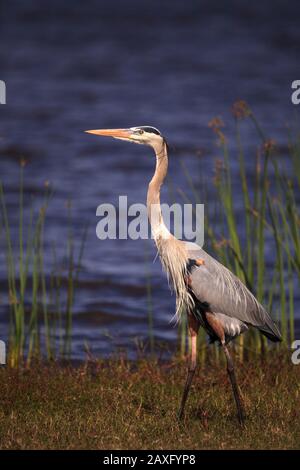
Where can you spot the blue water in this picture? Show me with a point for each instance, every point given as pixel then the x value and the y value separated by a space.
pixel 71 66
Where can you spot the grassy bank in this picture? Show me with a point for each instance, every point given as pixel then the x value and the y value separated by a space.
pixel 119 405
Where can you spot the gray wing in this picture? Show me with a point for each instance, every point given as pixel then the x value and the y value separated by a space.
pixel 214 284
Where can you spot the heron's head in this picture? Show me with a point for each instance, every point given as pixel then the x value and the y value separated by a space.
pixel 146 135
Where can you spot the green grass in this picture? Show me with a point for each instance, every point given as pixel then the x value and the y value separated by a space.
pixel 40 304
pixel 122 405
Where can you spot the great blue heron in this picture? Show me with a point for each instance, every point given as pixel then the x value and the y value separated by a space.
pixel 212 296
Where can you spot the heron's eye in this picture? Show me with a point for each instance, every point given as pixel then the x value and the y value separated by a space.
pixel 140 131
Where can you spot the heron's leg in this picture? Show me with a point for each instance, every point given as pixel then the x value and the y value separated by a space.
pixel 218 329
pixel 193 332
pixel 231 373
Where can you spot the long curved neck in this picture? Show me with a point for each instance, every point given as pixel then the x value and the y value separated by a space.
pixel 158 226
pixel 172 253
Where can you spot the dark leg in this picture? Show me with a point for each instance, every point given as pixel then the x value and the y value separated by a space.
pixel 193 332
pixel 231 373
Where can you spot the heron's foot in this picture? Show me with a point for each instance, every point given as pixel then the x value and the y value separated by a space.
pixel 200 261
pixel 241 415
pixel 180 415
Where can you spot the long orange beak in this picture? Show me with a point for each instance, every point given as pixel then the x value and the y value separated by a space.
pixel 122 133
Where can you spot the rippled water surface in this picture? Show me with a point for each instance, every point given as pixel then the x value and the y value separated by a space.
pixel 71 66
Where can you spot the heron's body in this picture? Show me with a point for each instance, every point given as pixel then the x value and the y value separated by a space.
pixel 218 290
pixel 212 296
